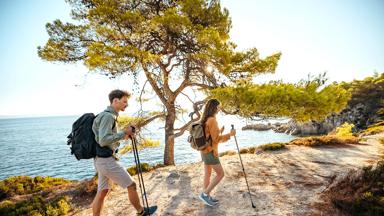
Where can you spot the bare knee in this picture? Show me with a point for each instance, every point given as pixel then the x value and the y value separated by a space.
pixel 103 193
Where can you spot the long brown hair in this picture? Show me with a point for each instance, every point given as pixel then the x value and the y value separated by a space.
pixel 210 109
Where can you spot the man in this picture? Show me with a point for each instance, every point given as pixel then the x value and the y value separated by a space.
pixel 106 135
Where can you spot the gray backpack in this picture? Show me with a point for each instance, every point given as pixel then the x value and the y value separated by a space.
pixel 197 137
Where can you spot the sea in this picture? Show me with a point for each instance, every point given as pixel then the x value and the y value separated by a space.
pixel 37 146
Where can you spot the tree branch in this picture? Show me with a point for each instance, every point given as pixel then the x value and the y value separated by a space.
pixel 196 110
pixel 150 119
pixel 154 85
pixel 141 94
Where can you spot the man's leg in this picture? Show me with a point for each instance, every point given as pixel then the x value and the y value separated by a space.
pixel 134 197
pixel 98 202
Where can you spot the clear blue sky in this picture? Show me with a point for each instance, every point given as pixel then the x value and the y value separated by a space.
pixel 342 37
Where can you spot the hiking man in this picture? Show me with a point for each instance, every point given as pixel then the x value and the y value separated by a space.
pixel 108 169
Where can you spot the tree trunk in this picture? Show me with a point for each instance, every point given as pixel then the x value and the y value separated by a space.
pixel 169 136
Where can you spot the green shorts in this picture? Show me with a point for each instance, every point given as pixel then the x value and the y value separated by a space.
pixel 209 158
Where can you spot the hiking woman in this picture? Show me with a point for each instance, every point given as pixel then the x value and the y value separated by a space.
pixel 210 154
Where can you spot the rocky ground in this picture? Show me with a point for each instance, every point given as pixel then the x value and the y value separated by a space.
pixel 284 182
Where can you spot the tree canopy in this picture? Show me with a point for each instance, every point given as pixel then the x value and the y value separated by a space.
pixel 306 100
pixel 172 43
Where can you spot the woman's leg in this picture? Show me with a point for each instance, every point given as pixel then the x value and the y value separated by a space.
pixel 207 175
pixel 219 175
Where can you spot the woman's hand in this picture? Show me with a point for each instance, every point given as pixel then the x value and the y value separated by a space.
pixel 233 132
pixel 222 130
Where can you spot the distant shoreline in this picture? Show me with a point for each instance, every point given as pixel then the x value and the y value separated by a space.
pixel 35 116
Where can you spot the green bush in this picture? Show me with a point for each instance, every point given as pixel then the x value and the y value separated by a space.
pixel 272 146
pixel 36 206
pixel 145 167
pixel 345 130
pixel 21 185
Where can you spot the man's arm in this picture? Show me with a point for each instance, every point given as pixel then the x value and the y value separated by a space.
pixel 106 135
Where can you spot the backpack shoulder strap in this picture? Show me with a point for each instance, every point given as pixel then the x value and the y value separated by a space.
pixel 115 119
pixel 209 136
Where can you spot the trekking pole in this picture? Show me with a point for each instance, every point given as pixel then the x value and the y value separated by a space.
pixel 139 172
pixel 245 175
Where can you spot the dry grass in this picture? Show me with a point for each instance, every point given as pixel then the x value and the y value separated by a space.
pixel 374 129
pixel 381 140
pixel 360 193
pixel 324 140
pixel 272 146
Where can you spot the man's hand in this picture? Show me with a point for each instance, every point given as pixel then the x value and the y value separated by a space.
pixel 129 131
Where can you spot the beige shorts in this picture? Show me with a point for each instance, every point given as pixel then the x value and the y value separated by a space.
pixel 109 170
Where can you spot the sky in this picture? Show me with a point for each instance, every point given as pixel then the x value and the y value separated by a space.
pixel 341 37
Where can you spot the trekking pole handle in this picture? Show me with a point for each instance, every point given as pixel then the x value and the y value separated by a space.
pixel 133 129
pixel 233 127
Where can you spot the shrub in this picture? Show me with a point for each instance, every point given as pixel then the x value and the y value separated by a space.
pixel 272 146
pixel 87 187
pixel 252 150
pixel 361 195
pixel 229 153
pixel 381 140
pixel 21 185
pixel 374 129
pixel 345 130
pixel 324 140
pixel 244 151
pixel 145 167
pixel 36 206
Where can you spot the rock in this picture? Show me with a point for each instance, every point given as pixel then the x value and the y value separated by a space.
pixel 258 127
pixel 174 175
pixel 360 115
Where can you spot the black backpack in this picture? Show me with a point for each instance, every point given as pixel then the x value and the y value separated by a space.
pixel 82 139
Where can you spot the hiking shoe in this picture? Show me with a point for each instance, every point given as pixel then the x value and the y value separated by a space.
pixel 205 198
pixel 213 200
pixel 147 211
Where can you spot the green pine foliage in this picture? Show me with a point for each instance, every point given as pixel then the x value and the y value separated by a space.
pixel 141 144
pixel 367 91
pixel 171 43
pixel 303 101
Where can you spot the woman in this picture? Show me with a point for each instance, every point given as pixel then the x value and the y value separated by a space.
pixel 210 154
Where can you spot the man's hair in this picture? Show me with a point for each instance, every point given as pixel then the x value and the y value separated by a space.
pixel 117 93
